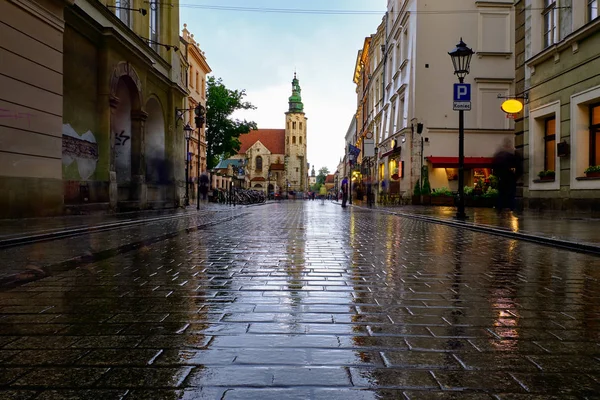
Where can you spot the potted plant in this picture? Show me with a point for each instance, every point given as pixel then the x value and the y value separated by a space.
pixel 593 171
pixel 442 197
pixel 548 175
pixel 426 189
pixel 416 197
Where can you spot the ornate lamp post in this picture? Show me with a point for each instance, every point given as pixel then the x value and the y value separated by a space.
pixel 188 131
pixel 461 59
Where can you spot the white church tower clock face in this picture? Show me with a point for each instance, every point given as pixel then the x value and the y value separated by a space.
pixel 295 141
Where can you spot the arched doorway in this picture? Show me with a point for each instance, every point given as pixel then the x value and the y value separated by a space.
pixel 157 174
pixel 127 134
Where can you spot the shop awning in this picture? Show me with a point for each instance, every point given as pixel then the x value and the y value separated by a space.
pixel 452 162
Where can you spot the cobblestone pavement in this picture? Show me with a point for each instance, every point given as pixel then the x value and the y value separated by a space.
pixel 299 300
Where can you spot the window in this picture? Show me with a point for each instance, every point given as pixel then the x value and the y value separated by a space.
pixel 288 125
pixel 192 76
pixel 550 19
pixel 594 134
pixel 197 81
pixel 294 125
pixel 550 144
pixel 259 163
pixel 592 9
pixel 154 25
pixel 300 139
pixel 405 44
pixel 300 125
pixel 400 124
pixel 293 139
pixel 203 88
pixel 121 12
pixel 393 119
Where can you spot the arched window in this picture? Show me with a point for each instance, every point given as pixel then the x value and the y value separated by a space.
pixel 300 139
pixel 300 125
pixel 258 163
pixel 294 125
pixel 293 139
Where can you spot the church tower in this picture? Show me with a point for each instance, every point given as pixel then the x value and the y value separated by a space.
pixel 296 169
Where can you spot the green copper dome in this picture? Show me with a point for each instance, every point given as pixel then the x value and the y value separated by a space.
pixel 295 100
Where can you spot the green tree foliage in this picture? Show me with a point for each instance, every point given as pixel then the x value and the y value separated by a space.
pixel 223 132
pixel 323 172
pixel 316 187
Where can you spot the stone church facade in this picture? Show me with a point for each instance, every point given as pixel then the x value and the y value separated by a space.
pixel 275 159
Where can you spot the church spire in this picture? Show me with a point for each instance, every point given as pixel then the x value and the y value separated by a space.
pixel 295 99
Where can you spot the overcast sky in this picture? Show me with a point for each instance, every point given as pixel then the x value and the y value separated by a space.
pixel 259 51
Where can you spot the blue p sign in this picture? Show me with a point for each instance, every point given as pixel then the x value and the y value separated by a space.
pixel 462 92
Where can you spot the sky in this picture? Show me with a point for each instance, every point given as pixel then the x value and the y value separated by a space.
pixel 259 52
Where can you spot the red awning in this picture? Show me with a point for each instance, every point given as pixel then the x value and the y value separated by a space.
pixel 452 162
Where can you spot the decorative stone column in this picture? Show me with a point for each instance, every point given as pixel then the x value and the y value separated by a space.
pixel 113 189
pixel 139 189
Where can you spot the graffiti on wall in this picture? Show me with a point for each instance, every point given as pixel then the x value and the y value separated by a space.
pixel 80 149
pixel 121 138
pixel 9 114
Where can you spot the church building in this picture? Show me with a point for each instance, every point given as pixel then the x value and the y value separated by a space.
pixel 275 159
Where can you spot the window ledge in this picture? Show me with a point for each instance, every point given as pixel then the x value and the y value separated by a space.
pixel 543 180
pixel 506 54
pixel 586 178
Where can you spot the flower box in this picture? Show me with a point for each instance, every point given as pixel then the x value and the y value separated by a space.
pixel 593 174
pixel 442 200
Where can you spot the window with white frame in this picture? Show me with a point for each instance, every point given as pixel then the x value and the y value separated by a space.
pixel 550 14
pixel 154 24
pixel 592 9
pixel 544 130
pixel 550 144
pixel 400 124
pixel 393 118
pixel 405 44
pixel 122 12
pixel 399 54
pixel 594 111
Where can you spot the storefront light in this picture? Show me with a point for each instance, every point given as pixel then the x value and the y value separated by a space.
pixel 512 106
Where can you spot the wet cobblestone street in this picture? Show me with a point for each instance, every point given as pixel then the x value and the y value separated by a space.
pixel 303 300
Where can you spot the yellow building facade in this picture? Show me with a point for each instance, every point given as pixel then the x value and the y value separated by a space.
pixel 197 70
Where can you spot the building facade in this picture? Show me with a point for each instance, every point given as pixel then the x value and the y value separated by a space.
pixel 31 107
pixel 274 160
pixel 111 74
pixel 197 68
pixel 123 145
pixel 410 109
pixel 561 122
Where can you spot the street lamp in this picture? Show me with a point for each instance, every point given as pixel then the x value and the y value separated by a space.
pixel 187 129
pixel 461 59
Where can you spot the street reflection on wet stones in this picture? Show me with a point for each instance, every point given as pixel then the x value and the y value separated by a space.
pixel 300 300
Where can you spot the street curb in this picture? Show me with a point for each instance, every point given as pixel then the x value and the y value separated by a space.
pixel 538 239
pixel 11 281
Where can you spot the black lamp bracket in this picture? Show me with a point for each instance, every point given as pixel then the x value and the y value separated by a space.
pixel 142 11
pixel 524 96
pixel 179 113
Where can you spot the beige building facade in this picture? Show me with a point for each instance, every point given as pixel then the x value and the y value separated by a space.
pixel 31 107
pixel 410 90
pixel 561 122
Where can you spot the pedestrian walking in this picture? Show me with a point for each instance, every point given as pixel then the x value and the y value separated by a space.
pixel 204 186
pixel 508 167
pixel 344 191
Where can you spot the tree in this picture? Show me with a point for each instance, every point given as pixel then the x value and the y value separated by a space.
pixel 323 172
pixel 222 132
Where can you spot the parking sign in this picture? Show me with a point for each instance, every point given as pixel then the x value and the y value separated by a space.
pixel 462 96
